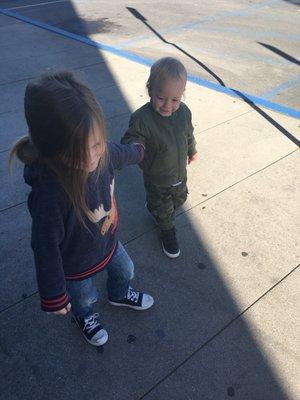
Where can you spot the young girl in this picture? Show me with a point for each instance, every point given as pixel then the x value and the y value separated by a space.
pixel 70 168
pixel 164 127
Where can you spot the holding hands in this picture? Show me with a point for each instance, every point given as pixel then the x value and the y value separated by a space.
pixel 63 311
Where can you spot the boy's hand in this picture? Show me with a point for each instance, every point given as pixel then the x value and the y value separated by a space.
pixel 64 311
pixel 192 158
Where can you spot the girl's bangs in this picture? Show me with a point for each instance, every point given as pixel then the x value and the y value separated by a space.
pixel 74 153
pixel 99 130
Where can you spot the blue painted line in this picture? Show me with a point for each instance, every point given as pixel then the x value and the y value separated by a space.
pixel 191 25
pixel 248 32
pixel 237 31
pixel 241 32
pixel 234 93
pixel 144 61
pixel 280 88
pixel 237 56
pixel 79 38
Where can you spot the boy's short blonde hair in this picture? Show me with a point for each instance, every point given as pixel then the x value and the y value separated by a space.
pixel 163 69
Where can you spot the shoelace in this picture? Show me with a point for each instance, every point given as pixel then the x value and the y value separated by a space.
pixel 132 295
pixel 91 322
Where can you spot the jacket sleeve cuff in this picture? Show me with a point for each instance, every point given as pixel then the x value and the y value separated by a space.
pixel 192 149
pixel 192 153
pixel 55 303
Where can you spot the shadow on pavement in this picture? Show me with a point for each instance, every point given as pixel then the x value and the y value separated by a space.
pixel 242 96
pixel 280 53
pixel 42 355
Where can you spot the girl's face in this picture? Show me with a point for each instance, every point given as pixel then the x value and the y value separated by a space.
pixel 166 100
pixel 95 148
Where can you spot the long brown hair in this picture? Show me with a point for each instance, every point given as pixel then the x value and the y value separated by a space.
pixel 61 112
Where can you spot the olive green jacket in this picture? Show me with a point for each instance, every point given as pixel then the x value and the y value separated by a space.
pixel 168 142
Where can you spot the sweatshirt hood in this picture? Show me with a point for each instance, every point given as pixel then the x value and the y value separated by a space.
pixel 36 174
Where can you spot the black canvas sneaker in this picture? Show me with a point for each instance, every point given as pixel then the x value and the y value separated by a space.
pixel 135 300
pixel 169 243
pixel 92 330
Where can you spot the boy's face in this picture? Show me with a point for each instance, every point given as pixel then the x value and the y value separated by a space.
pixel 166 100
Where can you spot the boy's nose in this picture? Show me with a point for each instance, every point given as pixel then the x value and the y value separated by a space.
pixel 167 104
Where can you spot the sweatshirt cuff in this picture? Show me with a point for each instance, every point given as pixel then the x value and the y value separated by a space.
pixel 55 303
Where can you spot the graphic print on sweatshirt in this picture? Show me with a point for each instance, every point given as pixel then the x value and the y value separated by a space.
pixel 111 216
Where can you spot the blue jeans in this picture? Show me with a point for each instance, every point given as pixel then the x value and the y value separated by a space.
pixel 84 294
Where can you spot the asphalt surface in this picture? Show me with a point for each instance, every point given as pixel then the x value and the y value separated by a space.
pixel 225 323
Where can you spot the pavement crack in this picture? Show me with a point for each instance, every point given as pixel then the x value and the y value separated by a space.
pixel 13 206
pixel 215 195
pixel 224 122
pixel 241 180
pixel 217 334
pixel 18 302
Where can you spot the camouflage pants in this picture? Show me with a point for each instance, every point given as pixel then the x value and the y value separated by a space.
pixel 163 201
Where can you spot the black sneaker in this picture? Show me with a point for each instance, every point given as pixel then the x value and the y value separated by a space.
pixel 135 300
pixel 92 330
pixel 169 243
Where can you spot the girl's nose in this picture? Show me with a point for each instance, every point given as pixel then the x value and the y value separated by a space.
pixel 99 151
pixel 93 154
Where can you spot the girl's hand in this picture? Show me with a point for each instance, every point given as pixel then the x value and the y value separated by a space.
pixel 63 311
pixel 192 158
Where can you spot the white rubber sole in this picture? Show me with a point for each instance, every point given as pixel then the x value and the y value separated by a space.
pixel 133 307
pixel 101 341
pixel 170 255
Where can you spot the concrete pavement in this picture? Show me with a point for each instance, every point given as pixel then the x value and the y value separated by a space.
pixel 225 321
